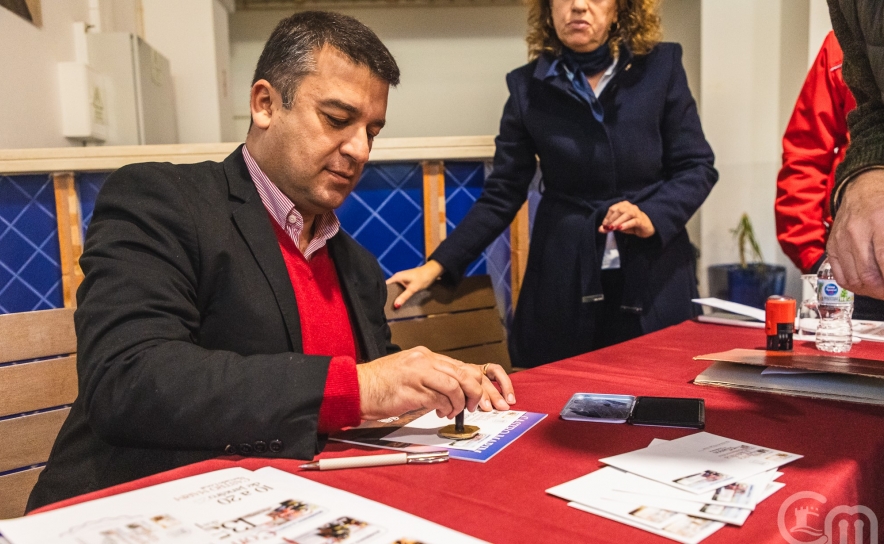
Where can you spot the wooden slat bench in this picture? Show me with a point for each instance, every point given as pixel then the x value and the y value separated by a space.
pixel 34 397
pixel 463 323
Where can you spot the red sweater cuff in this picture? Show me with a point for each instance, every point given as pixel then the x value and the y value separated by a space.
pixel 340 400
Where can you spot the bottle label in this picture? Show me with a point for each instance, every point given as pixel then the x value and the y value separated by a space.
pixel 829 292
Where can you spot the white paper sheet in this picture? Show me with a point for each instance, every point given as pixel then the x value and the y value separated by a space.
pixel 869 330
pixel 700 462
pixel 862 330
pixel 744 494
pixel 716 512
pixel 719 320
pixel 230 506
pixel 423 430
pixel 611 483
pixel 681 527
pixel 733 307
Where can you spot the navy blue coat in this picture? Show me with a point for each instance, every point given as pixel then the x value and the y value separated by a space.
pixel 649 150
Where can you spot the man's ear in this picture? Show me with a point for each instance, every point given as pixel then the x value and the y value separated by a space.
pixel 261 100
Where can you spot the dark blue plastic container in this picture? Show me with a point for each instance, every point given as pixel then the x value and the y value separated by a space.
pixel 753 284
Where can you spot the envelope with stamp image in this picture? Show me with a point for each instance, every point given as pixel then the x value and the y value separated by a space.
pixel 590 491
pixel 680 527
pixel 744 494
pixel 606 483
pixel 716 512
pixel 700 462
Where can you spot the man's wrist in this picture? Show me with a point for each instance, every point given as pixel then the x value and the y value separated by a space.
pixel 341 397
pixel 842 190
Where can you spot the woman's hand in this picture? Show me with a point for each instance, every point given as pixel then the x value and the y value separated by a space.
pixel 628 219
pixel 415 279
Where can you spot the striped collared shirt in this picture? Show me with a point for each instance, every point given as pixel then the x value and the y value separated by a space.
pixel 283 211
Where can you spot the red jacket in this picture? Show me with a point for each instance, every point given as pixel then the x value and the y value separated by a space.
pixel 815 141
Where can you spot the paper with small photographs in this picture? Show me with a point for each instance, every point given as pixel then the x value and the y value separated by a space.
pixel 700 462
pixel 230 506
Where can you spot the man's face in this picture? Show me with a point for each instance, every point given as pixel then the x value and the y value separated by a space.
pixel 315 151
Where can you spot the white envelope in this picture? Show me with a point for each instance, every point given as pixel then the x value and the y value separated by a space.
pixel 700 462
pixel 682 528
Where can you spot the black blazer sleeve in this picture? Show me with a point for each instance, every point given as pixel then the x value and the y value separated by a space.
pixel 503 194
pixel 687 159
pixel 144 377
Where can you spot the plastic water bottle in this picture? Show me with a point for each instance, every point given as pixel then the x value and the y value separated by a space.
pixel 834 333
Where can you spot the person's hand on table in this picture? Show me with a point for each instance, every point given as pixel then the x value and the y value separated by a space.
pixel 628 219
pixel 418 378
pixel 414 280
pixel 856 244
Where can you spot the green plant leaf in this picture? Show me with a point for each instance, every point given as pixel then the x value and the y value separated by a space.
pixel 746 235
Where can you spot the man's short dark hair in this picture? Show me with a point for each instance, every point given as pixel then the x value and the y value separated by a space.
pixel 289 54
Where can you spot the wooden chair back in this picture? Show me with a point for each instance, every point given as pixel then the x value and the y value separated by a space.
pixel 463 323
pixel 38 382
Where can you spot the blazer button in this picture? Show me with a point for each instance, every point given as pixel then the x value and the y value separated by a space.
pixel 276 446
pixel 230 449
pixel 245 449
pixel 260 446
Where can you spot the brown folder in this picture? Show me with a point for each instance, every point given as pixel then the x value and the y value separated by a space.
pixel 803 361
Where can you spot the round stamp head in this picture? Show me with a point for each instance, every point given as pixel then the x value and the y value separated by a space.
pixel 450 432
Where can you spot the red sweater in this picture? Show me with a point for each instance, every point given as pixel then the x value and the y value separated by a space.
pixel 325 330
pixel 814 144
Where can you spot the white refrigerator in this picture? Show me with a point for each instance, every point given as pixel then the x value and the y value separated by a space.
pixel 139 89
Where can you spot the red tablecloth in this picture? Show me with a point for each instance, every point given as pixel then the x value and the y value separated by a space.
pixel 504 500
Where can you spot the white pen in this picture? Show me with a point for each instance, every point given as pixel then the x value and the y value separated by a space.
pixel 378 460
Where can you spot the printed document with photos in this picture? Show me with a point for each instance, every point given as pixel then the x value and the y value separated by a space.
pixel 664 510
pixel 230 506
pixel 424 430
pixel 616 486
pixel 744 494
pixel 418 431
pixel 664 519
pixel 700 462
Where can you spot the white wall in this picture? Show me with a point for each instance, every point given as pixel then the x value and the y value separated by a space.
pixel 116 16
pixel 682 23
pixel 192 34
pixel 30 103
pixel 221 11
pixel 453 62
pixel 820 25
pixel 753 64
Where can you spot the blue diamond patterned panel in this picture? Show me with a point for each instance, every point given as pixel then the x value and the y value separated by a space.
pixel 30 270
pixel 463 185
pixel 88 185
pixel 385 214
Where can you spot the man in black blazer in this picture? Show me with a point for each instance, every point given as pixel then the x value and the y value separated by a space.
pixel 190 336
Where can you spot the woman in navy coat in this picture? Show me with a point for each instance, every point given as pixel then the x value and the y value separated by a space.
pixel 607 110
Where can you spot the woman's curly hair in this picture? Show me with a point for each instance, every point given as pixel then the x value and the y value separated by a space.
pixel 638 26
